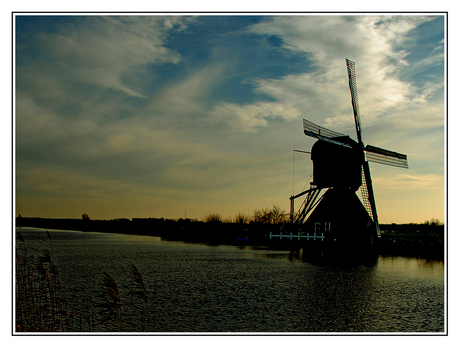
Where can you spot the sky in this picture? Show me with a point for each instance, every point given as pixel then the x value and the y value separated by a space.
pixel 182 116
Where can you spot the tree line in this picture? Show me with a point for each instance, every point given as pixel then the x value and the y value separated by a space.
pixel 274 215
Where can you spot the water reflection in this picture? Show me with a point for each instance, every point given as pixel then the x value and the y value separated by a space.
pixel 322 256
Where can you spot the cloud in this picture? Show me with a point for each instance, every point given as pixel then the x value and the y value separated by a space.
pixel 251 117
pixel 187 96
pixel 372 41
pixel 328 38
pixel 410 181
pixel 112 52
pixel 393 110
pixel 322 95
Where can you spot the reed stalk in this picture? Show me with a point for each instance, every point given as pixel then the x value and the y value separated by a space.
pixel 40 300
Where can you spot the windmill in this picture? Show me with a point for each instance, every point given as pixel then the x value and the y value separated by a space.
pixel 341 167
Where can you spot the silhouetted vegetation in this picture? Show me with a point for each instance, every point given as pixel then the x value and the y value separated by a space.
pixel 213 217
pixel 416 239
pixel 273 216
pixel 420 240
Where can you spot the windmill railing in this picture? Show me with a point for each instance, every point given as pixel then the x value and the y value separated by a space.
pixel 298 236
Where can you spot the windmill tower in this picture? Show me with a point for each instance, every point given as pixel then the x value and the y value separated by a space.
pixel 341 167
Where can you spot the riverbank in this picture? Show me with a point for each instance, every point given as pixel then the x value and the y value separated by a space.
pixel 410 240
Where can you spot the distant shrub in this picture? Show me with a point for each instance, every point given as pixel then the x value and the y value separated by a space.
pixel 241 218
pixel 213 217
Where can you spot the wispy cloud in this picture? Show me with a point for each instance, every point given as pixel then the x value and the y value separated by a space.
pixel 112 52
pixel 372 41
pixel 188 95
pixel 251 117
pixel 410 181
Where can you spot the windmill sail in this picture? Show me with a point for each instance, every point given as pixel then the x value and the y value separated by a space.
pixel 366 189
pixel 313 130
pixel 354 97
pixel 382 156
pixel 368 196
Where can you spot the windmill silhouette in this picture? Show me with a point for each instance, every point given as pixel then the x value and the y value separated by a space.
pixel 341 167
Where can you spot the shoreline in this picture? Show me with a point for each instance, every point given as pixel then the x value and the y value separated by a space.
pixel 397 240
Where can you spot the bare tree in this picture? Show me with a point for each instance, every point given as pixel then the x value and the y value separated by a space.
pixel 270 216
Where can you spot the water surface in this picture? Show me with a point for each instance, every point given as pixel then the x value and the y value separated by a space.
pixel 201 288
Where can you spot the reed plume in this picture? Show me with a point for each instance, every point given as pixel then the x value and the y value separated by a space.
pixel 111 303
pixel 139 289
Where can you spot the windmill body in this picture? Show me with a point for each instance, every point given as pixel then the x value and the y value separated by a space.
pixel 337 166
pixel 340 169
pixel 341 217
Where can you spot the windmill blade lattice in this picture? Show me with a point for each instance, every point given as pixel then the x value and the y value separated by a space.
pixel 366 189
pixel 365 197
pixel 354 97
